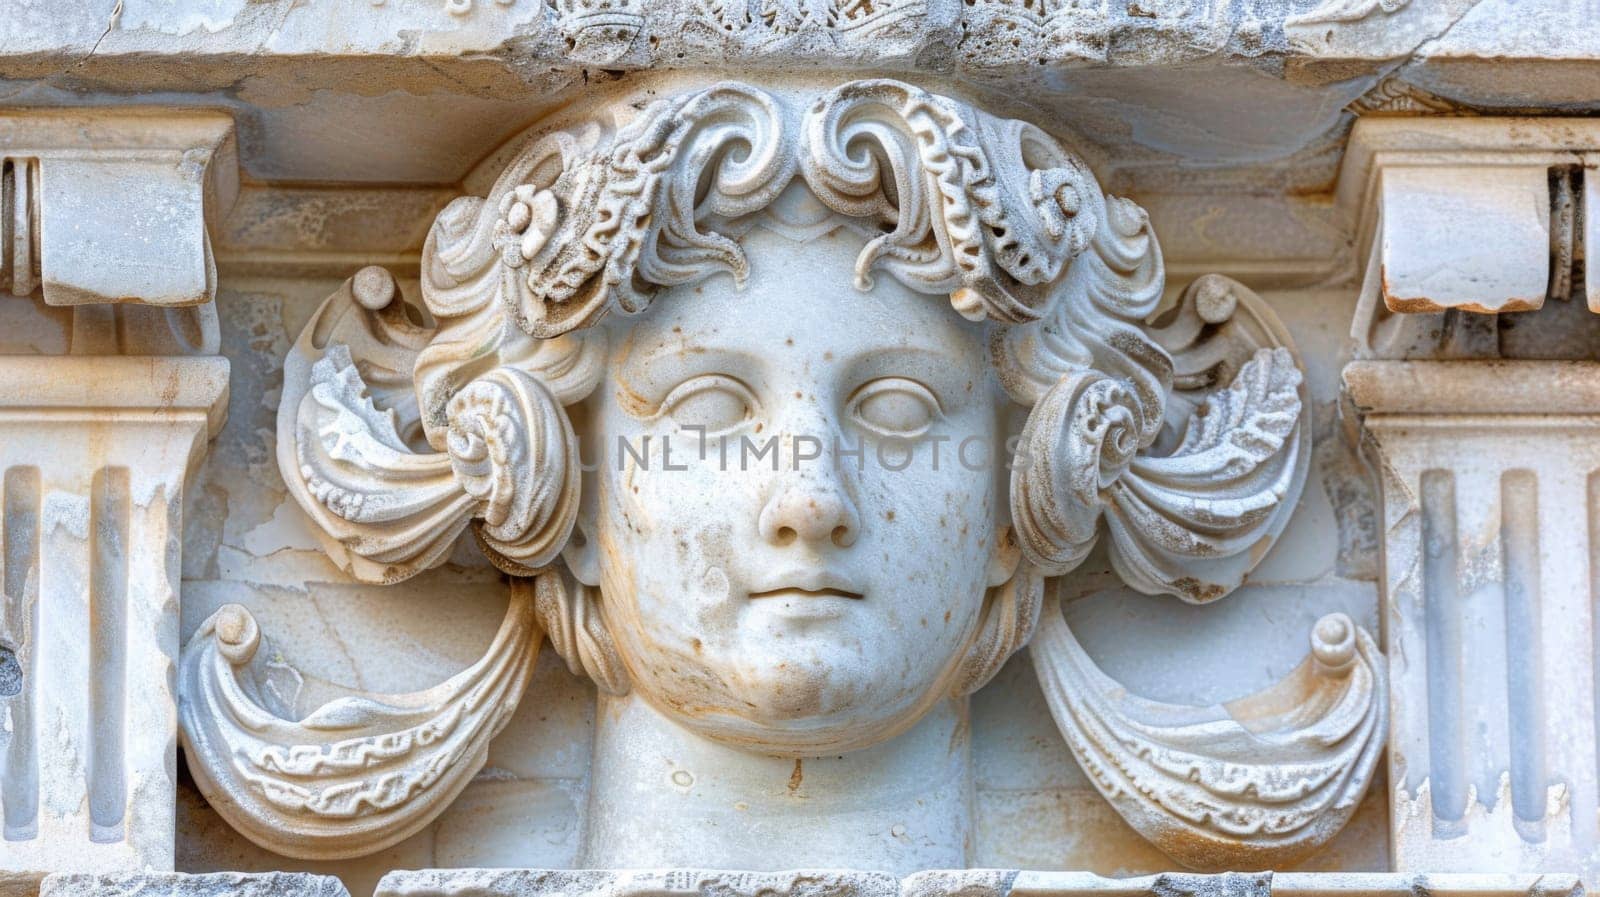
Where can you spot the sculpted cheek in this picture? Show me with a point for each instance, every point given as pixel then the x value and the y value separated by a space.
pixel 634 489
pixel 718 614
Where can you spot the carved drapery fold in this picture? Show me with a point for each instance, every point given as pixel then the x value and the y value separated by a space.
pixel 360 773
pixel 1261 780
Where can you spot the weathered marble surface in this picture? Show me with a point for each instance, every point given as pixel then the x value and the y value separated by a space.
pixel 1180 444
pixel 1034 807
pixel 171 884
pixel 805 883
pixel 1352 162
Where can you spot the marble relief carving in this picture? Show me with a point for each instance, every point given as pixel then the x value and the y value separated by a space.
pixel 104 419
pixel 837 282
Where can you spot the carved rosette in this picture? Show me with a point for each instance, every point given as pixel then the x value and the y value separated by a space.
pixel 1184 441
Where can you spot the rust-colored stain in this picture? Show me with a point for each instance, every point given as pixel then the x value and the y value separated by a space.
pixel 796 776
pixel 1421 305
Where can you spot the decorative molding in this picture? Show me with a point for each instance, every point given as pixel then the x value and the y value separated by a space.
pixel 454 7
pixel 1337 11
pixel 959 883
pixel 982 34
pixel 1011 883
pixel 1393 96
pixel 1463 215
pixel 659 883
pixel 178 884
pixel 813 883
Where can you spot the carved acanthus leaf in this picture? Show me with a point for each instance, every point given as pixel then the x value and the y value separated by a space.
pixel 1194 522
pixel 1257 782
pixel 357 774
pixel 387 504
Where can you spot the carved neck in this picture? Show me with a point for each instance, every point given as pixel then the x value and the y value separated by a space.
pixel 663 796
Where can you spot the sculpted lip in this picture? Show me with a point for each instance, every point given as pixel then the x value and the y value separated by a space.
pixel 806 593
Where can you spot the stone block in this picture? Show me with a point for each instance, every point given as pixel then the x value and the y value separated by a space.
pixel 177 884
pixel 1490 524
pixel 659 883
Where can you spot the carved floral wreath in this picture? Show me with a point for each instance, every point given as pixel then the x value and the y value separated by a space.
pixel 1185 442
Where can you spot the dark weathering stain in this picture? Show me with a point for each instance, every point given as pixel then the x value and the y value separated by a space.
pixel 10 673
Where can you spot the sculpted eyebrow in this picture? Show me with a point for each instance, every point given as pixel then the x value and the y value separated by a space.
pixel 942 371
pixel 651 373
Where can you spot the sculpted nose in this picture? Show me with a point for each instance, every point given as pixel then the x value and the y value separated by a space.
pixel 810 509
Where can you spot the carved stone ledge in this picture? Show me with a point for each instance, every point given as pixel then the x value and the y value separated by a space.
pixel 947 883
pixel 661 883
pixel 177 884
pixel 113 205
pixel 1007 883
pixel 1490 485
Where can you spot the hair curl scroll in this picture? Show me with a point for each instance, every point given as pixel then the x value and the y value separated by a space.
pixel 598 219
pixel 513 450
pixel 986 210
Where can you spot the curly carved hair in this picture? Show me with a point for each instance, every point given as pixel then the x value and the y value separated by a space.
pixel 993 213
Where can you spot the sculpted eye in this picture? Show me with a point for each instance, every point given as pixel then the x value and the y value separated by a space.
pixel 712 401
pixel 895 407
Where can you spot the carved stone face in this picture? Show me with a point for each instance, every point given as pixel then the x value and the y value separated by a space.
pixel 822 606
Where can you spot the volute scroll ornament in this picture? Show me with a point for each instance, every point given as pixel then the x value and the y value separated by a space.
pixel 726 262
